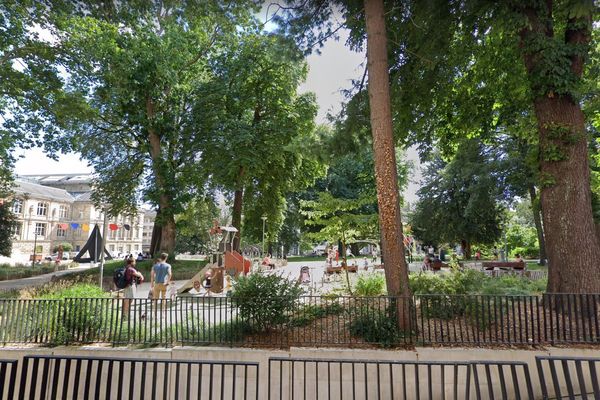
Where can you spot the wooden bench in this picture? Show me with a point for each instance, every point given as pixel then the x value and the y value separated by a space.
pixel 514 265
pixel 436 265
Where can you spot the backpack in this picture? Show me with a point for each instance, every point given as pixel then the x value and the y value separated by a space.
pixel 119 278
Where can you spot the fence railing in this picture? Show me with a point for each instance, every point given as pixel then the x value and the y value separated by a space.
pixel 62 377
pixel 569 377
pixel 8 376
pixel 307 321
pixel 74 377
pixel 306 378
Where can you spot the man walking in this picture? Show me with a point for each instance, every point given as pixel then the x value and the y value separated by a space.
pixel 160 276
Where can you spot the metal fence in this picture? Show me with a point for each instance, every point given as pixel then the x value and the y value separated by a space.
pixel 307 378
pixel 71 377
pixel 502 380
pixel 569 377
pixel 8 375
pixel 343 321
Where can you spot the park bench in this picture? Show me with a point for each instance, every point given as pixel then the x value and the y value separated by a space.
pixel 505 265
pixel 437 265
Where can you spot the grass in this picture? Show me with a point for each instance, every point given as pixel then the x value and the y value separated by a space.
pixel 20 271
pixel 181 269
pixel 305 258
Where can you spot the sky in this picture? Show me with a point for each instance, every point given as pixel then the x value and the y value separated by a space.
pixel 329 73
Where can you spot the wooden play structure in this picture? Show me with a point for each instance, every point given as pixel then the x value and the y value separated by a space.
pixel 222 261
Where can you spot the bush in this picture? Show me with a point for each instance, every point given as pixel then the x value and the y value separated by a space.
pixel 370 285
pixel 265 300
pixel 84 319
pixel 309 313
pixel 65 246
pixel 376 326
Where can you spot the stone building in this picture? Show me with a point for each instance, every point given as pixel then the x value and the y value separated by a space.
pixel 55 209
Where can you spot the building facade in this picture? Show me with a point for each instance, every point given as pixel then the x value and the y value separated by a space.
pixel 56 209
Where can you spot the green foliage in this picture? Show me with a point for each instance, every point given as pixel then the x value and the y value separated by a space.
pixel 7 224
pixel 375 325
pixel 65 246
pixel 307 314
pixel 8 272
pixel 265 300
pixel 85 290
pixel 461 199
pixel 370 285
pixel 193 225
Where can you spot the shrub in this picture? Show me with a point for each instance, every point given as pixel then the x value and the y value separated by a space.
pixel 84 319
pixel 309 313
pixel 370 285
pixel 376 326
pixel 265 300
pixel 65 246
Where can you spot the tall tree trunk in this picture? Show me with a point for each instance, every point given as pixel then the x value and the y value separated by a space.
pixel 236 215
pixel 537 220
pixel 386 172
pixel 156 233
pixel 572 245
pixel 465 245
pixel 165 201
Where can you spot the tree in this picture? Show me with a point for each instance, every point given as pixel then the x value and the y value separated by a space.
pixel 194 223
pixel 386 174
pixel 33 103
pixel 341 220
pixel 145 67
pixel 267 132
pixel 463 200
pixel 554 43
pixel 8 223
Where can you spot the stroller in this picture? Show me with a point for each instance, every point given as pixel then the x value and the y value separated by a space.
pixel 304 275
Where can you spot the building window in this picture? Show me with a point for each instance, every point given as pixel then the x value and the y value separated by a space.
pixel 40 229
pixel 17 206
pixel 16 230
pixel 42 209
pixel 111 248
pixel 60 232
pixel 63 212
pixel 81 214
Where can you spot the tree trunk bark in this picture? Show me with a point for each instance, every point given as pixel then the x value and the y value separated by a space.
pixel 165 201
pixel 537 220
pixel 156 233
pixel 572 245
pixel 466 248
pixel 386 173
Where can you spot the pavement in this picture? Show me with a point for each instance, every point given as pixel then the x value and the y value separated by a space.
pixel 39 279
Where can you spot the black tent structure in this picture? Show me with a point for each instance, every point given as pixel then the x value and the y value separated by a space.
pixel 93 246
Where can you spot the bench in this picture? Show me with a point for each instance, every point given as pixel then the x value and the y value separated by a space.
pixel 515 265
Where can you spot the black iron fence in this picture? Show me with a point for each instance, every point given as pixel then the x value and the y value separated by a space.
pixel 71 377
pixel 8 376
pixel 74 377
pixel 307 321
pixel 307 378
pixel 569 377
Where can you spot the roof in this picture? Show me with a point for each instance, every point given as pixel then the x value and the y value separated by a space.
pixel 35 190
pixel 60 178
pixel 86 196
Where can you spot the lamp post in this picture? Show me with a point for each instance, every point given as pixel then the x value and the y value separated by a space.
pixel 34 246
pixel 264 220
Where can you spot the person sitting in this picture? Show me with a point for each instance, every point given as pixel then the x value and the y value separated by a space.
pixel 518 258
pixel 267 262
pixel 426 264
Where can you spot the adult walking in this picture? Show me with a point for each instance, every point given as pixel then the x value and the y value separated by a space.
pixel 160 276
pixel 132 277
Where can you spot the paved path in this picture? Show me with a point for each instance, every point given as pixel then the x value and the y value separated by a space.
pixel 39 279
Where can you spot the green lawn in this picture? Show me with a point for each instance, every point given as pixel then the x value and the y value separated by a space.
pixel 182 269
pixel 305 258
pixel 8 272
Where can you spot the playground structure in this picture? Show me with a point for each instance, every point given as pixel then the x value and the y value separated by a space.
pixel 223 261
